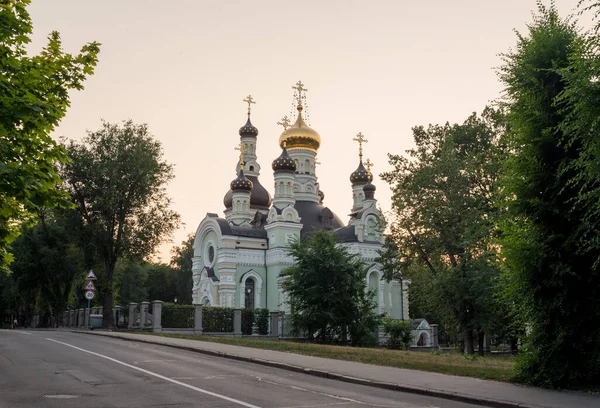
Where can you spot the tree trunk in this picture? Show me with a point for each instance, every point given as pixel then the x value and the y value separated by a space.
pixel 107 310
pixel 480 338
pixel 469 349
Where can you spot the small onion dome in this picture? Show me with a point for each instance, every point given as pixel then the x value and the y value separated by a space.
pixel 248 130
pixel 369 190
pixel 284 162
pixel 300 135
pixel 361 175
pixel 241 183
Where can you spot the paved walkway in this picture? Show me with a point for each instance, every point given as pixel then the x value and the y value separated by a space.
pixel 484 392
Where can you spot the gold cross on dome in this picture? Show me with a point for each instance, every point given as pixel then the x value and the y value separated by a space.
pixel 285 122
pixel 300 88
pixel 368 165
pixel 242 148
pixel 360 138
pixel 249 100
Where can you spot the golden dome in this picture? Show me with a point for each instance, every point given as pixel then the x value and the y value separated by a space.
pixel 300 136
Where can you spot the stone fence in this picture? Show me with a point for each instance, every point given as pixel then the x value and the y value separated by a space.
pixel 147 316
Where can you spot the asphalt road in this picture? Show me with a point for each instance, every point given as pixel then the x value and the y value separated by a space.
pixel 61 369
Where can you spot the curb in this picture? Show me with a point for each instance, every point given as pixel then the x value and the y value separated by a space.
pixel 487 402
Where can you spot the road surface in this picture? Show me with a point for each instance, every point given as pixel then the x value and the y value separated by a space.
pixel 64 370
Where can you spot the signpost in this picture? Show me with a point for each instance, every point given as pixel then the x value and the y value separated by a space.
pixel 90 288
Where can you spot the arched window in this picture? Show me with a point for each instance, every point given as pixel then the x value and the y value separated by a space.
pixel 249 293
pixel 307 166
pixel 251 168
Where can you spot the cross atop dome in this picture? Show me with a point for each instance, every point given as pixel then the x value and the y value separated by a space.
pixel 360 138
pixel 368 165
pixel 285 122
pixel 249 100
pixel 242 148
pixel 300 88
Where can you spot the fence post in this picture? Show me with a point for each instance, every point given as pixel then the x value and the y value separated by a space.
pixel 116 315
pixel 435 342
pixel 132 307
pixel 198 319
pixel 143 313
pixel 274 324
pixel 237 322
pixel 71 317
pixel 156 315
pixel 86 318
pixel 81 317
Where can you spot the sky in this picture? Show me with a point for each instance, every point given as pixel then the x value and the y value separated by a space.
pixel 376 67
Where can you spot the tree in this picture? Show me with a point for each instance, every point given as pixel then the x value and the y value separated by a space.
pixel 48 266
pixel 551 260
pixel 117 178
pixel 181 261
pixel 33 99
pixel 131 276
pixel 160 283
pixel 327 291
pixel 445 216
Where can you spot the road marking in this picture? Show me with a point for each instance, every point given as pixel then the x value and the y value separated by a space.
pixel 16 331
pixel 162 377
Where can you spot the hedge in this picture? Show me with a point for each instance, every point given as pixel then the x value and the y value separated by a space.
pixel 177 316
pixel 247 321
pixel 261 317
pixel 217 319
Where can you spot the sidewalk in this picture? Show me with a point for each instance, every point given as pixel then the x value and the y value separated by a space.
pixel 465 389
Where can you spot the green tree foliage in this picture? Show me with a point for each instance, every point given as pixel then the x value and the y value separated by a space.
pixel 117 178
pixel 551 258
pixel 327 291
pixel 160 283
pixel 33 99
pixel 399 332
pixel 131 276
pixel 181 262
pixel 48 266
pixel 445 216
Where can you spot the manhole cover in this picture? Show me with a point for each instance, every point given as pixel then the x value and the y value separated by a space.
pixel 61 396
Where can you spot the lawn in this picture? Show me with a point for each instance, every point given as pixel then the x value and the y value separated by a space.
pixel 488 368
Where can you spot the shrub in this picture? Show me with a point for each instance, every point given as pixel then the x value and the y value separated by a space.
pixel 399 333
pixel 217 319
pixel 177 316
pixel 261 317
pixel 248 317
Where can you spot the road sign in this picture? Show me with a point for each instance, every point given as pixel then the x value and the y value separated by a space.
pixel 91 275
pixel 89 295
pixel 90 286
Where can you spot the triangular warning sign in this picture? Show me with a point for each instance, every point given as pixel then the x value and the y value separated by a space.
pixel 90 286
pixel 91 275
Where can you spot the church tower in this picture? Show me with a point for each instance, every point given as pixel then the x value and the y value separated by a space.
pixel 302 144
pixel 284 168
pixel 260 199
pixel 241 189
pixel 360 177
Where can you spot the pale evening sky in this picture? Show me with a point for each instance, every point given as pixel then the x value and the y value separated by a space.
pixel 377 67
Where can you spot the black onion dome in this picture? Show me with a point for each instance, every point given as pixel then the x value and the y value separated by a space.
pixel 260 199
pixel 228 199
pixel 284 162
pixel 361 175
pixel 241 183
pixel 369 190
pixel 248 129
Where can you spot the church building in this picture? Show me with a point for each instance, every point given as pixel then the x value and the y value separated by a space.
pixel 238 259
